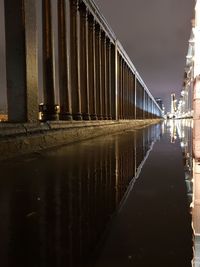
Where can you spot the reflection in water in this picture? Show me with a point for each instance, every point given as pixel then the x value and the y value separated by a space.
pixel 56 206
pixel 190 146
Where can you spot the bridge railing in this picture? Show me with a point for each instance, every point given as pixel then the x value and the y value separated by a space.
pixel 63 59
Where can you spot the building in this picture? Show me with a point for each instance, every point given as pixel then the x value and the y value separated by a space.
pixel 173 105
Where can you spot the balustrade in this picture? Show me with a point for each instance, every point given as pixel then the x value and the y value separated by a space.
pixel 96 78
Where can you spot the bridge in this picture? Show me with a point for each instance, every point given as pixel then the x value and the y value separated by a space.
pixel 68 66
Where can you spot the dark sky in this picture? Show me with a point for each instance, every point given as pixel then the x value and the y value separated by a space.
pixel 155 35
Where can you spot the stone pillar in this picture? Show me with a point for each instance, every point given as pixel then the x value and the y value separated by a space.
pixel 114 81
pixel 103 75
pixel 92 66
pixel 123 88
pixel 144 103
pixel 125 93
pixel 50 111
pixel 21 60
pixel 136 97
pixel 63 57
pixel 98 71
pixel 75 60
pixel 108 67
pixel 133 96
pixel 129 94
pixel 120 88
pixel 84 65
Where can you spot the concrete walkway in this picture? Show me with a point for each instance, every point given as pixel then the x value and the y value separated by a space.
pixel 153 229
pixel 17 139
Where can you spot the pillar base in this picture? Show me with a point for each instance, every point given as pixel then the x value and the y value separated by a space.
pixel 86 116
pixel 65 116
pixel 49 112
pixel 77 117
pixel 94 117
pixel 110 117
pixel 100 117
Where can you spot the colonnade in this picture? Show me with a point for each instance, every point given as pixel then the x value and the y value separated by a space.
pixel 94 80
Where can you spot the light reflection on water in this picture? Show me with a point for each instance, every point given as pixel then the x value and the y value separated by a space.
pixel 189 138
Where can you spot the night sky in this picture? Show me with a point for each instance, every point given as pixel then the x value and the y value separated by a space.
pixel 155 35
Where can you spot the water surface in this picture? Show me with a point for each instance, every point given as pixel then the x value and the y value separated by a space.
pixel 112 201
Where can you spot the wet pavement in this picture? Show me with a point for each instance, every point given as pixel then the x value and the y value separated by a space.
pixel 154 226
pixel 118 200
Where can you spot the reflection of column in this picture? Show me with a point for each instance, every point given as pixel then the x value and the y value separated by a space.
pixel 84 61
pixel 108 68
pixel 98 71
pixel 75 63
pixel 64 83
pixel 21 60
pixel 49 112
pixel 92 65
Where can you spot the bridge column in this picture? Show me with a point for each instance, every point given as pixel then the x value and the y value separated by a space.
pixel 144 103
pixel 123 89
pixel 98 71
pixel 137 99
pixel 21 60
pixel 50 111
pixel 129 94
pixel 114 82
pixel 120 87
pixel 133 96
pixel 135 81
pixel 125 92
pixel 63 58
pixel 108 67
pixel 75 60
pixel 149 106
pixel 84 64
pixel 104 75
pixel 92 64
